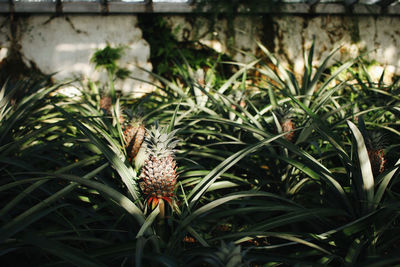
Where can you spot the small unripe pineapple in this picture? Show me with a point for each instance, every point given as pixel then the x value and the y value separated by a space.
pixel 134 134
pixel 375 146
pixel 105 104
pixel 287 126
pixel 285 118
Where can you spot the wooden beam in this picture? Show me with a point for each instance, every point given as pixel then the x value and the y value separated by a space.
pixel 34 7
pixel 314 7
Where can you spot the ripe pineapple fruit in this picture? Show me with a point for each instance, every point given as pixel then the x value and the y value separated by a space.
pixel 158 173
pixel 375 145
pixel 285 117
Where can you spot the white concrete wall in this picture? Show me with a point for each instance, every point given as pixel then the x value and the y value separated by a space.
pixel 4 38
pixel 377 37
pixel 64 45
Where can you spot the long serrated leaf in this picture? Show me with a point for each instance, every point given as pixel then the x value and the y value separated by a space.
pixel 173 119
pixel 365 166
pixel 39 210
pixel 207 181
pixel 72 255
pixel 127 175
pixel 384 183
pixel 173 86
pixel 308 60
pixel 210 206
pixel 119 198
pixel 235 76
pixel 288 82
pixel 285 236
pixel 39 183
pixel 149 221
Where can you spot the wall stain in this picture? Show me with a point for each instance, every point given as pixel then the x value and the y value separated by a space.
pixel 13 67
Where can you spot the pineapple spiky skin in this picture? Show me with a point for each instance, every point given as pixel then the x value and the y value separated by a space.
pixel 129 132
pixel 137 144
pixel 159 179
pixel 377 161
pixel 158 173
pixel 134 134
pixel 105 104
pixel 288 126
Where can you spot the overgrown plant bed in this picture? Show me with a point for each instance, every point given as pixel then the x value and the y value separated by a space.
pixel 260 170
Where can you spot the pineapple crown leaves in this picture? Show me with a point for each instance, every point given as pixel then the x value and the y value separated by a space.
pixel 107 58
pixel 135 115
pixel 230 255
pixel 375 140
pixel 132 120
pixel 160 142
pixel 284 112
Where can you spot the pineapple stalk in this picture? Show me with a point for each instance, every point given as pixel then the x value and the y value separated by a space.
pixel 161 206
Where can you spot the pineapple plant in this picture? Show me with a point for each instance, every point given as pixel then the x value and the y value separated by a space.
pixel 375 143
pixel 158 174
pixel 285 117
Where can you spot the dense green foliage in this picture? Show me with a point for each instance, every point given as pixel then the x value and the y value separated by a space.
pixel 167 51
pixel 274 170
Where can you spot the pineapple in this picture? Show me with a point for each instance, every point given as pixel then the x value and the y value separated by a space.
pixel 375 145
pixel 158 173
pixel 134 134
pixel 284 115
pixel 105 104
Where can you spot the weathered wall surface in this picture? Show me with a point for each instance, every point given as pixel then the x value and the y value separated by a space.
pixel 378 37
pixel 289 37
pixel 4 38
pixel 65 44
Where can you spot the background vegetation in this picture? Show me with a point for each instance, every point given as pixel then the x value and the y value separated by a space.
pixel 273 170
